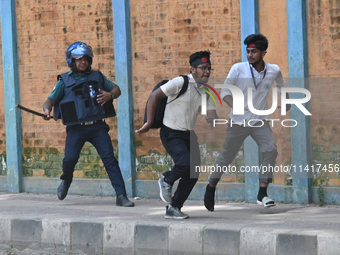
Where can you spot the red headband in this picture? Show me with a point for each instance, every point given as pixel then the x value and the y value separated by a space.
pixel 258 45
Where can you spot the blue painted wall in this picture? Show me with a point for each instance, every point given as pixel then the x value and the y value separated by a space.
pixel 125 114
pixel 298 77
pixel 14 151
pixel 250 25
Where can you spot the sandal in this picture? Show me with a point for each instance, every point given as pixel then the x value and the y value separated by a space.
pixel 266 202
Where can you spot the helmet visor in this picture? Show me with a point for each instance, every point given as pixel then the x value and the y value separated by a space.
pixel 80 51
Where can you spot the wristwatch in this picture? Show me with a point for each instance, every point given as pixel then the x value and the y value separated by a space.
pixel 112 95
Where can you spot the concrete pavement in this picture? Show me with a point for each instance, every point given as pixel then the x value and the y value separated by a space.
pixel 41 224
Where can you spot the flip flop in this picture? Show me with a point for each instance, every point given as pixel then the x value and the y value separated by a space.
pixel 266 202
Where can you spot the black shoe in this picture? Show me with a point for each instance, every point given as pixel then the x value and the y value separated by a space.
pixel 122 200
pixel 209 198
pixel 62 190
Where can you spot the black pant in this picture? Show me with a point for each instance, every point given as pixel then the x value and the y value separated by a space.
pixel 183 147
pixel 97 134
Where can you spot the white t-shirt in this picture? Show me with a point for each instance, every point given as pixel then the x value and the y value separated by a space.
pixel 240 76
pixel 181 114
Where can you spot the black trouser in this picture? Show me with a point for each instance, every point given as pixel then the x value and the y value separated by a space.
pixel 183 147
pixel 97 134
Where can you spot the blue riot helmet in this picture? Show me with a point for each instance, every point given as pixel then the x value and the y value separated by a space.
pixel 78 50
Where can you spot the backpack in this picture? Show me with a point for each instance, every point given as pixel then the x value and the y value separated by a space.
pixel 160 108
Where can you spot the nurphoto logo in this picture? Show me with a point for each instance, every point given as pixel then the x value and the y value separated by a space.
pixel 238 104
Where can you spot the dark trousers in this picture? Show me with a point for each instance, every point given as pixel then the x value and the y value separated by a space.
pixel 236 135
pixel 183 147
pixel 96 134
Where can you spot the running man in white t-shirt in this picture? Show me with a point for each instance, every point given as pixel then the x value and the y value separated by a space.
pixel 177 133
pixel 259 76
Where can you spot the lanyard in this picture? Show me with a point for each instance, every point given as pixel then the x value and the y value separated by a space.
pixel 252 74
pixel 197 90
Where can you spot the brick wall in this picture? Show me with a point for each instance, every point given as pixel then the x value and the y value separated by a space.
pixel 164 34
pixel 45 30
pixel 324 43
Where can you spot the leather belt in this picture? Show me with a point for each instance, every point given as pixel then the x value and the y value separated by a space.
pixel 92 122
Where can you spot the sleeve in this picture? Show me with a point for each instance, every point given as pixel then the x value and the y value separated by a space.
pixel 230 80
pixel 173 87
pixel 58 91
pixel 108 85
pixel 279 80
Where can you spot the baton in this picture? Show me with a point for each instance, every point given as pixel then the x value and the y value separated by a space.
pixel 30 111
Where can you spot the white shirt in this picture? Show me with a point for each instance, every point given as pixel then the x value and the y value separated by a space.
pixel 240 76
pixel 181 114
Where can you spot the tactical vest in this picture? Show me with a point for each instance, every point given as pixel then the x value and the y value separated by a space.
pixel 77 106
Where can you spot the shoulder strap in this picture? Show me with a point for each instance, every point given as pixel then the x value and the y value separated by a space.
pixel 184 87
pixel 62 76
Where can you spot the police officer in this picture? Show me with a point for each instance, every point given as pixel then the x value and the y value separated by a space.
pixel 83 98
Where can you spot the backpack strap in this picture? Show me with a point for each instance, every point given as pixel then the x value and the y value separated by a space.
pixel 184 87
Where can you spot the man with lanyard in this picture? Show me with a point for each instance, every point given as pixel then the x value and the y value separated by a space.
pixel 83 114
pixel 259 76
pixel 177 133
